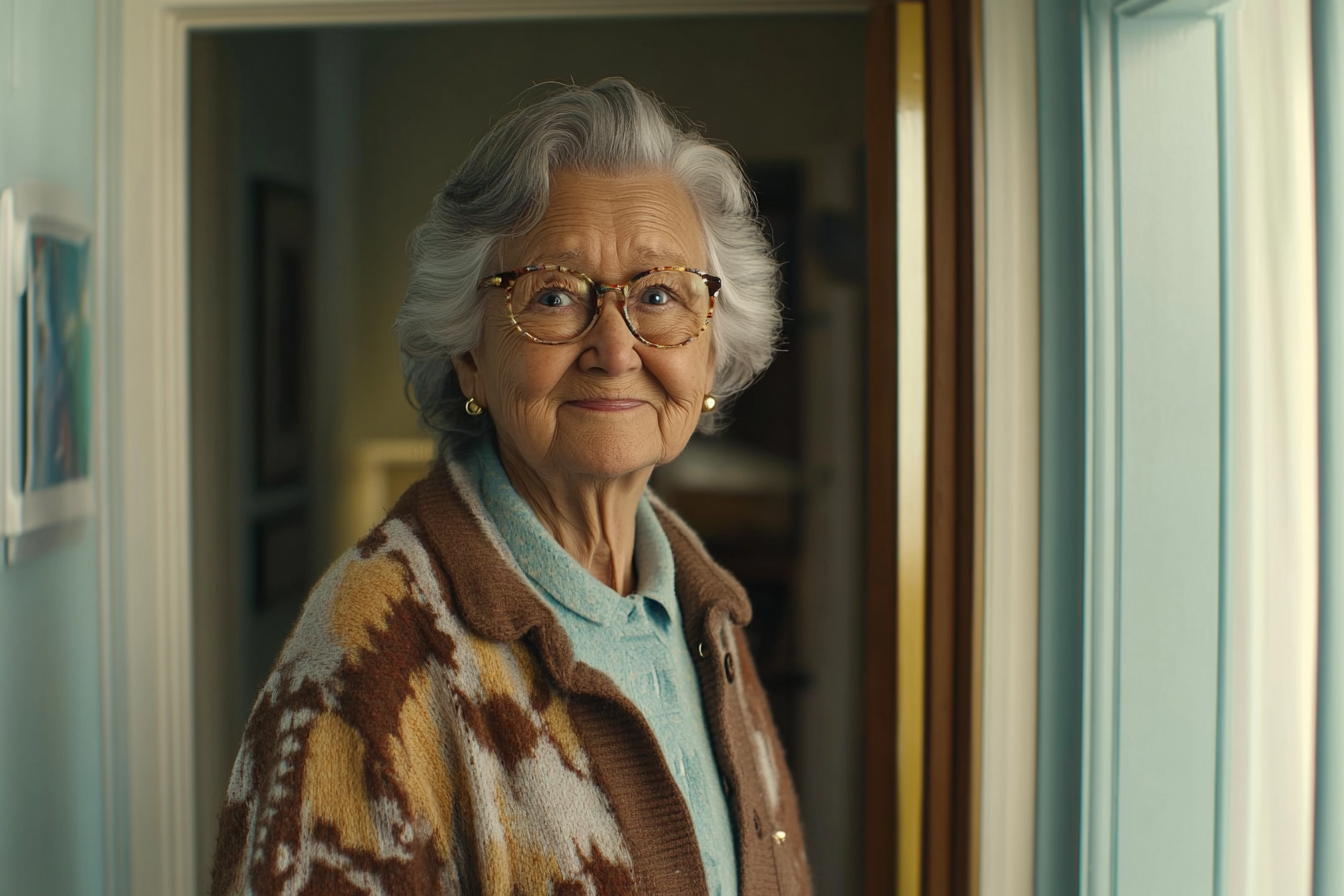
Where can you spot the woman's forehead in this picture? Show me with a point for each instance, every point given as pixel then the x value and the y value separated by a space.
pixel 640 220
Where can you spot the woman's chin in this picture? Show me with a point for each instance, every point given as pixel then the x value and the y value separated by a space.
pixel 611 452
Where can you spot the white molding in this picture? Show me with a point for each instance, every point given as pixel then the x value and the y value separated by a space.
pixel 151 451
pixel 1273 525
pixel 1100 757
pixel 1011 452
pixel 149 522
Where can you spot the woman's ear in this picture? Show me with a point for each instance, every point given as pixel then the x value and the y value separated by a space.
pixel 469 376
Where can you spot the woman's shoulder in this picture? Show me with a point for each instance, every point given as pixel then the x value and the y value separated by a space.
pixel 381 596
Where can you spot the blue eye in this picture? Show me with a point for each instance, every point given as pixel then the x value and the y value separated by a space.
pixel 656 295
pixel 554 298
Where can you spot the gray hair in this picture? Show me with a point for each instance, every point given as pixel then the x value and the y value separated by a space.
pixel 501 191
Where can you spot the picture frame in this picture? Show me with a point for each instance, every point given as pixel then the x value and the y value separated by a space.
pixel 46 365
pixel 283 269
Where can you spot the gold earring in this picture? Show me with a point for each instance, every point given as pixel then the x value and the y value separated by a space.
pixel 474 407
pixel 709 403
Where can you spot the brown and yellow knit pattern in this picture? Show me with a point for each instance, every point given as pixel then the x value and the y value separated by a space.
pixel 427 731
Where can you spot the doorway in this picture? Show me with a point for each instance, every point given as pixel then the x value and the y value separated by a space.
pixel 358 127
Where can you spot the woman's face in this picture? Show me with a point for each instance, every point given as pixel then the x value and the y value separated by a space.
pixel 606 405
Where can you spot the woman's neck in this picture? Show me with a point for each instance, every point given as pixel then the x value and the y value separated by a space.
pixel 592 518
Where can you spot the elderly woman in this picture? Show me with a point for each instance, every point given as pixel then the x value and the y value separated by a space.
pixel 531 678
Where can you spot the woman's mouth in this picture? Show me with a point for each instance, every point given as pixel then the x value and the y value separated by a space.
pixel 609 404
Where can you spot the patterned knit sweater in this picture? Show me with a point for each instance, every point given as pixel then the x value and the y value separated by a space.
pixel 426 730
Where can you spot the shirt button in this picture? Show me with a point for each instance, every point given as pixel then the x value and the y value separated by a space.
pixel 728 668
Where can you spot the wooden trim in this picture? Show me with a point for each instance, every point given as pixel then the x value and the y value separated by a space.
pixel 912 438
pixel 951 533
pixel 974 437
pixel 880 690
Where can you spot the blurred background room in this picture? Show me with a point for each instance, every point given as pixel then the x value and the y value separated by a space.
pixel 322 149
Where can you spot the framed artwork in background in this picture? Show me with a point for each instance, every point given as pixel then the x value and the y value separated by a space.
pixel 283 266
pixel 46 367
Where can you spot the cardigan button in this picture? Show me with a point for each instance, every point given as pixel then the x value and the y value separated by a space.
pixel 701 648
pixel 728 668
pixel 779 836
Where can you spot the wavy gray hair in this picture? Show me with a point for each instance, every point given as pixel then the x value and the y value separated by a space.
pixel 501 191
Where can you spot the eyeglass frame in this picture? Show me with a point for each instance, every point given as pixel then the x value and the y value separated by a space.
pixel 506 279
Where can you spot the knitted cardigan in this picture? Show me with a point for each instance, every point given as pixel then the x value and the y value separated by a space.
pixel 426 730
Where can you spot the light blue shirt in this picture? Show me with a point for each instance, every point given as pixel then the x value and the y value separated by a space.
pixel 637 641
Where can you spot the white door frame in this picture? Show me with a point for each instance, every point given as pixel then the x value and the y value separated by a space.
pixel 1008 409
pixel 149 518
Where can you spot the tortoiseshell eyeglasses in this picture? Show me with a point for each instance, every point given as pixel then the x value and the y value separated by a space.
pixel 664 307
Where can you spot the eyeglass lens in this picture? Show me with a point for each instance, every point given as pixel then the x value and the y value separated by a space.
pixel 665 307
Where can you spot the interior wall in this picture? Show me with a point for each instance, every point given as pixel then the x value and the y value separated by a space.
pixel 51 712
pixel 272 92
pixel 252 121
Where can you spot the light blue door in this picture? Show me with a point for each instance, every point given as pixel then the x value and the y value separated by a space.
pixel 1134 282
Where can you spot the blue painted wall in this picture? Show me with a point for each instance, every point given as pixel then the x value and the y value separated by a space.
pixel 1063 437
pixel 51 787
pixel 1328 44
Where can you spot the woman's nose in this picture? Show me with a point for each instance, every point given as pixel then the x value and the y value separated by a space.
pixel 610 345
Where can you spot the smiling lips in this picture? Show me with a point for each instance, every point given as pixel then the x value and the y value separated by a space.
pixel 609 404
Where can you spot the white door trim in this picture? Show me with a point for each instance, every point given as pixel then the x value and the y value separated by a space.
pixel 1010 576
pixel 150 514
pixel 1272 561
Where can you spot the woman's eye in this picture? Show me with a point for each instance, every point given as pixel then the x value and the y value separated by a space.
pixel 554 298
pixel 657 295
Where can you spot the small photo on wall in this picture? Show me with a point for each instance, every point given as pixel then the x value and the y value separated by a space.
pixel 58 409
pixel 48 332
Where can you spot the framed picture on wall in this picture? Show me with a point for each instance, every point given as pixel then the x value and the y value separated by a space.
pixel 46 353
pixel 283 266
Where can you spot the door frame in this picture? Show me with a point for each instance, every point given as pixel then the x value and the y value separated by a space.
pixel 147 519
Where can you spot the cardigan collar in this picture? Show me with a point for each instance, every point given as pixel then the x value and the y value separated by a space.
pixel 493 595
pixel 556 575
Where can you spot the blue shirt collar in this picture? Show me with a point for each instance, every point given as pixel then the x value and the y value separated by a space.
pixel 554 573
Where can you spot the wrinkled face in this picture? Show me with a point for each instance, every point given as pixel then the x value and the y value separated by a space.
pixel 606 405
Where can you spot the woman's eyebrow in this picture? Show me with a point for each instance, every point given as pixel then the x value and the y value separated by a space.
pixel 563 257
pixel 654 256
pixel 641 256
